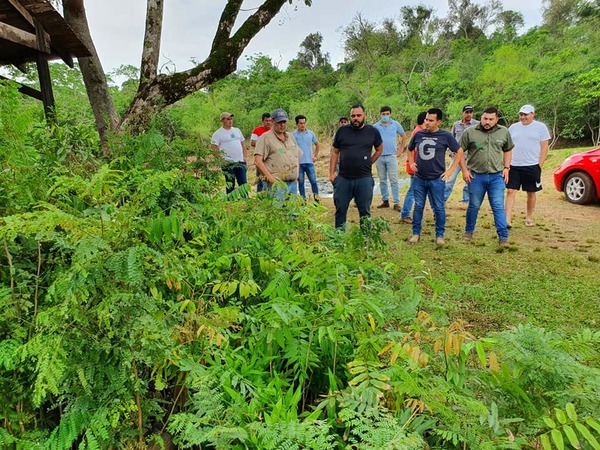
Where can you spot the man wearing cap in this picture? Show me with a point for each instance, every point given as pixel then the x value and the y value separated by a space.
pixel 458 129
pixel 230 142
pixel 487 147
pixel 387 164
pixel 277 155
pixel 353 146
pixel 531 140
pixel 267 124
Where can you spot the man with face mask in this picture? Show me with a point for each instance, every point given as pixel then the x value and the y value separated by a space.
pixel 387 164
pixel 353 147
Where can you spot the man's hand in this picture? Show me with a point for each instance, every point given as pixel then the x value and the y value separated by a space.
pixel 467 176
pixel 332 177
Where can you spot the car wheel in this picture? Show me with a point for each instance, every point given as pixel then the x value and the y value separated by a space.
pixel 579 188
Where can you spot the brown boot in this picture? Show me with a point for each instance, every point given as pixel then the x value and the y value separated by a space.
pixel 384 204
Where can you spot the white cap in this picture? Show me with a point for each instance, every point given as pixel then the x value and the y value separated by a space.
pixel 527 109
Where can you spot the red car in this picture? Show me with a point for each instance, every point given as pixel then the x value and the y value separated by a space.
pixel 579 177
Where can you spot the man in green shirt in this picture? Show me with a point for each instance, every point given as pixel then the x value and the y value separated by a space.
pixel 488 149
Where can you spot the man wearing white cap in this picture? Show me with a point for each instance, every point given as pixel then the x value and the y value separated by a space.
pixel 531 139
pixel 277 155
pixel 230 142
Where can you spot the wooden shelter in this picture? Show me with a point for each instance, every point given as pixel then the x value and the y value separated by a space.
pixel 33 31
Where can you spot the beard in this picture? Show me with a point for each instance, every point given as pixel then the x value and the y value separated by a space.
pixel 357 123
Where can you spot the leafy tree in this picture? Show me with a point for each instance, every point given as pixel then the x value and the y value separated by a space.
pixel 158 90
pixel 310 55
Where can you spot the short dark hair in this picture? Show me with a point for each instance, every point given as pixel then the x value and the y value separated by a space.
pixel 421 117
pixel 438 113
pixel 358 106
pixel 343 118
pixel 266 116
pixel 385 108
pixel 491 110
pixel 299 117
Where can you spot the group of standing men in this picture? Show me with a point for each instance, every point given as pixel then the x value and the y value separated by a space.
pixel 491 158
pixel 278 155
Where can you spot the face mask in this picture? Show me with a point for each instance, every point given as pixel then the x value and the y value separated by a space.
pixel 386 119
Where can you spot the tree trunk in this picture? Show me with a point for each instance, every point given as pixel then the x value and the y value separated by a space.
pixel 93 75
pixel 163 90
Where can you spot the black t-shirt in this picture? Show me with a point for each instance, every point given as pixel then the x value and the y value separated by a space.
pixel 356 147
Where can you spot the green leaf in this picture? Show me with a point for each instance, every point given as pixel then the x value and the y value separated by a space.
pixel 545 442
pixel 481 354
pixel 571 412
pixel 592 423
pixel 558 440
pixel 549 422
pixel 571 436
pixel 560 415
pixel 587 435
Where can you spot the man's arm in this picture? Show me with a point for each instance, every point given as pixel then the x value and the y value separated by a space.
pixel 545 147
pixel 507 159
pixel 333 161
pixel 375 156
pixel 260 165
pixel 458 158
pixel 316 152
pixel 244 151
pixel 402 146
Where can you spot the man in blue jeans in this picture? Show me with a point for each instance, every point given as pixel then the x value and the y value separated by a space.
pixel 431 145
pixel 306 139
pixel 387 164
pixel 488 149
pixel 353 146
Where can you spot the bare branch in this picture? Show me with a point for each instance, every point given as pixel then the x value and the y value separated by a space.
pixel 152 36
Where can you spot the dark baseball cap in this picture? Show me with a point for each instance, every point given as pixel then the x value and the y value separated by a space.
pixel 467 108
pixel 279 115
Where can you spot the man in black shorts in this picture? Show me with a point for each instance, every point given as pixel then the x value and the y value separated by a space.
pixel 531 139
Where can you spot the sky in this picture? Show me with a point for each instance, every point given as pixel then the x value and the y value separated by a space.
pixel 117 27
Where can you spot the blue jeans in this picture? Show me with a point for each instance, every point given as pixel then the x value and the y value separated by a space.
pixel 278 190
pixel 435 190
pixel 387 167
pixel 493 184
pixel 234 171
pixel 450 185
pixel 311 173
pixel 409 201
pixel 344 190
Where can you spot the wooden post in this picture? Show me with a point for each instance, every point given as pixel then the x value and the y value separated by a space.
pixel 41 61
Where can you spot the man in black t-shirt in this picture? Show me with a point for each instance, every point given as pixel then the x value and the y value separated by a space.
pixel 353 146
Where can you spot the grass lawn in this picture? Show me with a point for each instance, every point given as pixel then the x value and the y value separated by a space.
pixel 550 275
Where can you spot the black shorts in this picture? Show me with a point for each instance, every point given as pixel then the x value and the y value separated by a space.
pixel 527 178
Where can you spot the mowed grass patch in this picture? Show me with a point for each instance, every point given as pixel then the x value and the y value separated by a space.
pixel 548 277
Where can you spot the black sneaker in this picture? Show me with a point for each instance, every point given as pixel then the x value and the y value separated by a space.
pixel 384 204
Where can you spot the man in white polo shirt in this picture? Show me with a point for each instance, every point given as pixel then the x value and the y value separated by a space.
pixel 230 142
pixel 531 139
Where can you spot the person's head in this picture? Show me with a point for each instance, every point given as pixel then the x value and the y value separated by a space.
pixel 266 120
pixel 280 119
pixel 386 114
pixel 343 121
pixel 357 116
pixel 467 113
pixel 433 119
pixel 489 118
pixel 226 120
pixel 300 122
pixel 421 117
pixel 526 114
